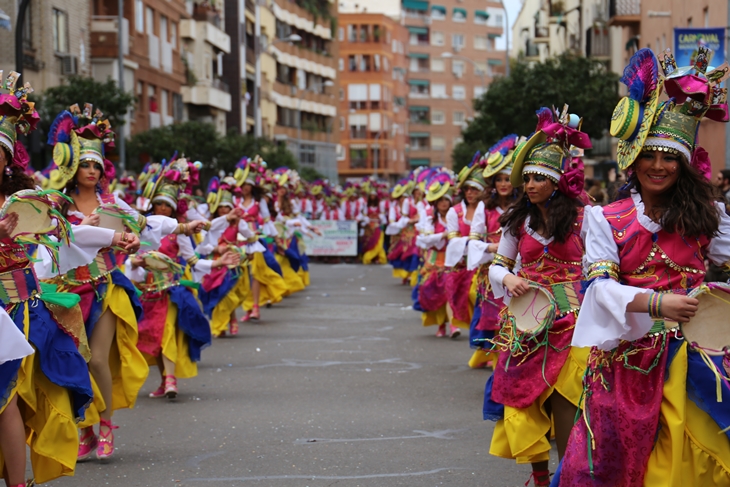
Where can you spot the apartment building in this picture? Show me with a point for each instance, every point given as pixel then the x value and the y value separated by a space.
pixel 373 114
pixel 452 59
pixel 56 41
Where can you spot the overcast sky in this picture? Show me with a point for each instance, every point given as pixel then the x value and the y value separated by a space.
pixel 513 8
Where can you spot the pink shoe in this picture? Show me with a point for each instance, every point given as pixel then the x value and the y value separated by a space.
pixel 170 387
pixel 233 325
pixel 87 443
pixel 454 332
pixel 245 317
pixel 105 448
pixel 160 391
pixel 255 313
pixel 442 331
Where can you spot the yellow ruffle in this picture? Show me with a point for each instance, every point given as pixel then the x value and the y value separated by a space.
pixel 377 254
pixel 49 421
pixel 472 302
pixel 273 287
pixel 304 276
pixel 221 316
pixel 689 449
pixel 175 347
pixel 436 317
pixel 521 435
pixel 128 366
pixel 293 282
pixel 481 359
pixel 401 274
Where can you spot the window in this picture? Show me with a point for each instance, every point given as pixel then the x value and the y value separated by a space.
pixel 418 114
pixel 363 33
pixel 358 125
pixel 480 18
pixel 438 14
pixel 28 28
pixel 164 100
pixel 457 41
pixel 377 37
pixel 479 91
pixel 357 95
pixel 706 15
pixel 438 143
pixel 419 141
pixel 364 63
pixel 437 65
pixel 351 63
pixel 498 19
pixel 480 68
pixel 437 38
pixel 459 92
pixel 376 62
pixel 60 31
pixel 150 21
pixel 480 42
pixel 307 154
pixel 139 16
pixel 386 66
pixel 151 95
pixel 458 68
pixel 358 156
pixel 438 117
pixel 341 64
pixel 340 34
pixel 342 124
pixel 418 89
pixel 459 15
pixel 438 91
pixel 173 35
pixel 342 94
pixel 459 118
pixel 351 34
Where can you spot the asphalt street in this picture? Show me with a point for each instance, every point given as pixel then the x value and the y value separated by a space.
pixel 338 385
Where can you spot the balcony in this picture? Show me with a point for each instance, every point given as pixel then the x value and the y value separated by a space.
pixel 153 50
pixel 104 31
pixel 624 13
pixel 155 120
pixel 205 31
pixel 598 43
pixel 542 35
pixel 211 93
pixel 204 13
pixel 166 57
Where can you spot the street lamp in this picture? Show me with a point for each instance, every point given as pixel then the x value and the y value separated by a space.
pixel 450 55
pixel 257 58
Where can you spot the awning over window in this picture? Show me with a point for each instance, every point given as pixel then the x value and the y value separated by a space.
pixel 418 55
pixel 482 14
pixel 418 30
pixel 418 109
pixel 415 4
pixel 418 82
pixel 492 35
pixel 440 8
pixel 494 62
pixel 418 135
pixel 461 11
pixel 419 162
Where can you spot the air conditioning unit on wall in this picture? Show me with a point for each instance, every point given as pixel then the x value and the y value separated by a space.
pixel 69 64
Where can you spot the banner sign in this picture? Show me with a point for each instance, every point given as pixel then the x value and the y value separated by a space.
pixel 338 238
pixel 687 40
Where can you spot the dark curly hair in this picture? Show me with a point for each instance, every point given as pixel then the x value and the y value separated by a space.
pixel 16 181
pixel 562 213
pixel 492 201
pixel 688 207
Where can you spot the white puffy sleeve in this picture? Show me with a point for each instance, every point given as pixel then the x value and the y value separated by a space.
pixel 719 249
pixel 503 264
pixel 13 345
pixel 603 320
pixel 157 226
pixel 212 237
pixel 88 241
pixel 247 233
pixel 456 246
pixel 268 228
pixel 476 251
pixel 201 267
pixel 134 274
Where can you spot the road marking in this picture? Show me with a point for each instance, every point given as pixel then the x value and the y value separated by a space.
pixel 328 363
pixel 441 435
pixel 195 461
pixel 323 477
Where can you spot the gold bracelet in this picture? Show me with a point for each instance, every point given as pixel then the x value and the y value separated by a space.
pixel 206 227
pixel 451 235
pixel 180 228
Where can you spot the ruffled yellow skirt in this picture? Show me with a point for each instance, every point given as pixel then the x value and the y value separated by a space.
pixel 377 254
pixel 128 366
pixel 521 435
pixel 689 449
pixel 304 276
pixel 221 315
pixel 50 426
pixel 175 347
pixel 293 281
pixel 436 317
pixel 273 286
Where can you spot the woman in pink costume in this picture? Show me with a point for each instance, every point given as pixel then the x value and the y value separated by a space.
pixel 403 253
pixel 431 298
pixel 536 385
pixel 655 409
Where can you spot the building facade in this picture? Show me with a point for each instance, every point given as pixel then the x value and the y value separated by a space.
pixel 373 114
pixel 452 59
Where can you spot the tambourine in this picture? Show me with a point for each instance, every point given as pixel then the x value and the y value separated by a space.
pixel 114 217
pixel 158 262
pixel 35 211
pixel 534 311
pixel 709 329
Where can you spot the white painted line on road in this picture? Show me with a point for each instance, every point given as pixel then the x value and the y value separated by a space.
pixel 324 477
pixel 441 435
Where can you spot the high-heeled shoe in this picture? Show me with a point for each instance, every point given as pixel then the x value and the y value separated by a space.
pixel 255 313
pixel 105 447
pixel 87 444
pixel 170 386
pixel 233 327
pixel 160 391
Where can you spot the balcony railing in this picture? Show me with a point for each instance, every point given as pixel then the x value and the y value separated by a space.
pixel 598 42
pixel 206 14
pixel 219 84
pixel 358 163
pixel 622 8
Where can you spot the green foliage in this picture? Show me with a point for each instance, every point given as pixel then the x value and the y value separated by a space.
pixel 81 89
pixel 318 8
pixel 511 102
pixel 310 174
pixel 199 141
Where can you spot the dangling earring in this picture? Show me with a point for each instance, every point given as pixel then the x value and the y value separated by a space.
pixel 8 171
pixel 547 203
pixel 77 190
pixel 98 187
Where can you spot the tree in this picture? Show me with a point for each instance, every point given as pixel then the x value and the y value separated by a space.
pixel 510 104
pixel 199 141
